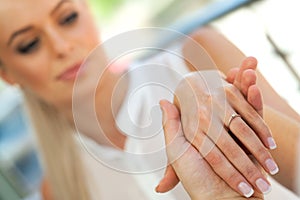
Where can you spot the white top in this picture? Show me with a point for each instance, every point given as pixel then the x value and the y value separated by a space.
pixel 134 173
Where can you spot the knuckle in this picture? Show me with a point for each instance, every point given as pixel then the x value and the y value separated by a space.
pixel 228 90
pixel 203 116
pixel 251 172
pixel 205 97
pixel 234 95
pixel 231 90
pixel 243 129
pixel 214 159
pixel 201 112
pixel 261 153
pixel 233 152
pixel 234 177
pixel 258 124
pixel 190 131
pixel 254 117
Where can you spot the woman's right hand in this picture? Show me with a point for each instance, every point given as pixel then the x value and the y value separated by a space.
pixel 244 78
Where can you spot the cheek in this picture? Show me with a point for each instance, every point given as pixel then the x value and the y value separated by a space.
pixel 31 71
pixel 88 31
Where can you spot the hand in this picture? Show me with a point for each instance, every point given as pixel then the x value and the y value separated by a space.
pixel 235 155
pixel 244 78
pixel 196 175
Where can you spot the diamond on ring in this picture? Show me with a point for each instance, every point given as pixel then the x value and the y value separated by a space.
pixel 234 115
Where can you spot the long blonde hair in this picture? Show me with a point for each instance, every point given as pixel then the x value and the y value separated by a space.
pixel 59 150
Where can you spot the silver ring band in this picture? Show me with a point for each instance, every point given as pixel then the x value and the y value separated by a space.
pixel 234 115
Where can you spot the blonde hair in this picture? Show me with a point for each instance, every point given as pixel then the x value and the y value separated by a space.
pixel 59 149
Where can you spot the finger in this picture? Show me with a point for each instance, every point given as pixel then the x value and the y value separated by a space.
pixel 171 121
pixel 251 91
pixel 248 79
pixel 179 151
pixel 247 136
pixel 254 97
pixel 242 163
pixel 250 115
pixel 250 140
pixel 231 74
pixel 168 182
pixel 248 63
pixel 221 165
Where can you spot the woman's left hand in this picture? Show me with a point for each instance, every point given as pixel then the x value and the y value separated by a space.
pixel 208 114
pixel 197 177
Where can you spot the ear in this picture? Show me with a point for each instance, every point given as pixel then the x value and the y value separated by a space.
pixel 6 76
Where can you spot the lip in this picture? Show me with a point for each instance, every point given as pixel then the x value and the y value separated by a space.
pixel 70 73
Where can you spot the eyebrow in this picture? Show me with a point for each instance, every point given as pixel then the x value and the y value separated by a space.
pixel 57 6
pixel 23 30
pixel 28 28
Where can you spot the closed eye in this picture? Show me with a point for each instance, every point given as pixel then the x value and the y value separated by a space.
pixel 69 19
pixel 29 47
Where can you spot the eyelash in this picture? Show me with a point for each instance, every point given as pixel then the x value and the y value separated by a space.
pixel 30 47
pixel 33 45
pixel 69 19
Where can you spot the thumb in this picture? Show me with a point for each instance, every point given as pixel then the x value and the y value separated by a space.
pixel 168 182
pixel 172 129
pixel 171 121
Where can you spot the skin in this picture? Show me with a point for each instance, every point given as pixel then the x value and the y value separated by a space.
pixel 55 42
pixel 197 166
pixel 281 118
pixel 58 44
pixel 196 175
pixel 253 95
pixel 211 40
pixel 35 58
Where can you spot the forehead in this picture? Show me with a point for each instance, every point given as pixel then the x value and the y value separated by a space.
pixel 19 10
pixel 15 14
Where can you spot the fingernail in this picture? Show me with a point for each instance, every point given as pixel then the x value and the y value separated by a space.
pixel 263 186
pixel 157 189
pixel 245 189
pixel 271 142
pixel 271 165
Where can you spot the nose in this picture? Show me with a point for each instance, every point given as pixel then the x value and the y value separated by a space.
pixel 61 45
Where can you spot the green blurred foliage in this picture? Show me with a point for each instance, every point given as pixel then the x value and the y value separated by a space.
pixel 105 8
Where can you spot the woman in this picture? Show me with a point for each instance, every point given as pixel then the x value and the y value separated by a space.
pixel 42 51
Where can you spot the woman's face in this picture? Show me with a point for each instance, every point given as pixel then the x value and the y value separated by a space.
pixel 43 43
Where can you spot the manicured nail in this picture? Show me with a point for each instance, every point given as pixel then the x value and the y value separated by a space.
pixel 271 142
pixel 263 186
pixel 271 165
pixel 245 189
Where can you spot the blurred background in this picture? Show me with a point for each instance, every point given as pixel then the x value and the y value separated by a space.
pixel 263 28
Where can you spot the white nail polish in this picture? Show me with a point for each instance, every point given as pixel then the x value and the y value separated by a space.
pixel 263 186
pixel 271 165
pixel 245 189
pixel 272 144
